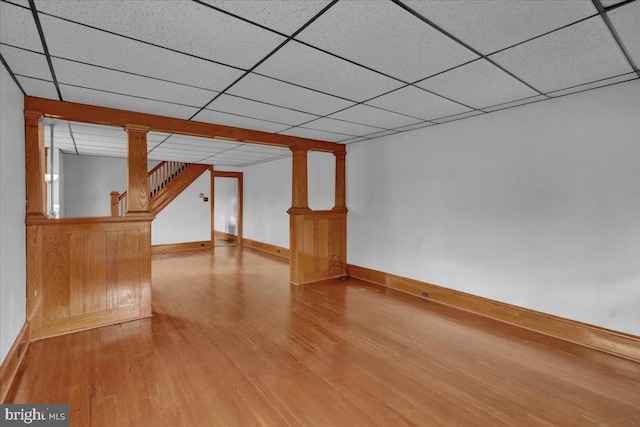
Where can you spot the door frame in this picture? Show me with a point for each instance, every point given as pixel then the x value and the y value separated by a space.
pixel 234 175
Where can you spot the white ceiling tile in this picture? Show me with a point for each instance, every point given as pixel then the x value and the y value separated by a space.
pixel 18 28
pixel 416 126
pixel 524 101
pixel 490 25
pixel 269 90
pixel 285 16
pixel 259 110
pixel 607 3
pixel 417 103
pixel 381 134
pixel 26 63
pixel 605 82
pixel 626 21
pixel 182 25
pixel 205 143
pixel 76 42
pixel 311 68
pixel 354 140
pixel 112 100
pixel 383 36
pixel 578 54
pixel 478 84
pixel 36 87
pixel 341 126
pixel 316 134
pixel 156 136
pixel 372 116
pixel 218 118
pixel 458 117
pixel 118 82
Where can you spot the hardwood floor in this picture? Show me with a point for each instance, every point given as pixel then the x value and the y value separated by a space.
pixel 231 343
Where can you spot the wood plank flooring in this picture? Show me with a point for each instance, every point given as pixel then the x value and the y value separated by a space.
pixel 231 343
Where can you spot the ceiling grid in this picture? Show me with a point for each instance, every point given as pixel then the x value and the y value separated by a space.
pixel 344 71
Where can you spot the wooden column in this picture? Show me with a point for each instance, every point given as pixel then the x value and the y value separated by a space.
pixel 35 164
pixel 137 176
pixel 340 191
pixel 212 206
pixel 300 191
pixel 115 203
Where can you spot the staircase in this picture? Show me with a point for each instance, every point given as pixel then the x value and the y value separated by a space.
pixel 166 181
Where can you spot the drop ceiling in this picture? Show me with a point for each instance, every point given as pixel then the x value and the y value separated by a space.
pixel 345 71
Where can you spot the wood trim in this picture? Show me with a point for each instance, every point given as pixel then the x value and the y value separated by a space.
pixel 240 177
pixel 137 175
pixel 13 361
pixel 179 247
pixel 225 236
pixel 280 251
pixel 113 117
pixel 605 340
pixel 89 220
pixel 35 164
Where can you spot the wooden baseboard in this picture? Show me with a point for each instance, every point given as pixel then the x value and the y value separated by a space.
pixel 606 340
pixel 178 247
pixel 13 361
pixel 266 247
pixel 225 236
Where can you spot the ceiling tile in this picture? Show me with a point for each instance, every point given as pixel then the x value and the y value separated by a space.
pixel 417 103
pixel 316 134
pixel 341 126
pixel 381 134
pixel 478 84
pixel 273 91
pixel 626 21
pixel 203 143
pixel 416 126
pixel 308 67
pixel 605 82
pixel 524 101
pixel 578 54
pixel 458 117
pixel 490 25
pixel 607 3
pixel 218 118
pixel 259 110
pixel 26 63
pixel 285 16
pixel 112 100
pixel 385 37
pixel 36 87
pixel 119 82
pixel 353 140
pixel 372 116
pixel 71 41
pixel 18 28
pixel 182 25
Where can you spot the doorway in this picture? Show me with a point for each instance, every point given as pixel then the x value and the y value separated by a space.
pixel 226 208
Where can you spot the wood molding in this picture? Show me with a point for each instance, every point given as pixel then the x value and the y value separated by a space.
pixel 137 175
pixel 280 251
pixel 179 247
pixel 240 177
pixel 113 117
pixel 606 340
pixel 225 236
pixel 13 361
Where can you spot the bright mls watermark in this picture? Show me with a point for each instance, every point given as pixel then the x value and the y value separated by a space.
pixel 36 415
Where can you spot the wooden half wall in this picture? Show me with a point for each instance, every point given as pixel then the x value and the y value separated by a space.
pixel 87 272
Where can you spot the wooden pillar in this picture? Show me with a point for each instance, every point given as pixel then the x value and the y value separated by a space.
pixel 300 190
pixel 35 164
pixel 340 191
pixel 115 203
pixel 212 206
pixel 137 175
pixel 240 220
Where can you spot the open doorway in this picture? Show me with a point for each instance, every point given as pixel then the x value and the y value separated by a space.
pixel 226 208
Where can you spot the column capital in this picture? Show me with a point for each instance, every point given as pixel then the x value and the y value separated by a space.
pixel 136 128
pixel 340 155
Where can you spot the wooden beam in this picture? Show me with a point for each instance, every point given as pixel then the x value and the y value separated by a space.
pixel 113 117
pixel 340 190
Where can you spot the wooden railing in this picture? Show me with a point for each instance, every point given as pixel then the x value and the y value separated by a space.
pixel 159 177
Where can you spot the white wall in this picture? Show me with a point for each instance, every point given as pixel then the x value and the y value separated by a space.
pixel 187 218
pixel 537 206
pixel 13 281
pixel 267 196
pixel 87 182
pixel 226 205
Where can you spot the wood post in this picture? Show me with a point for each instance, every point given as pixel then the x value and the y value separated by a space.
pixel 35 164
pixel 115 203
pixel 300 190
pixel 137 176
